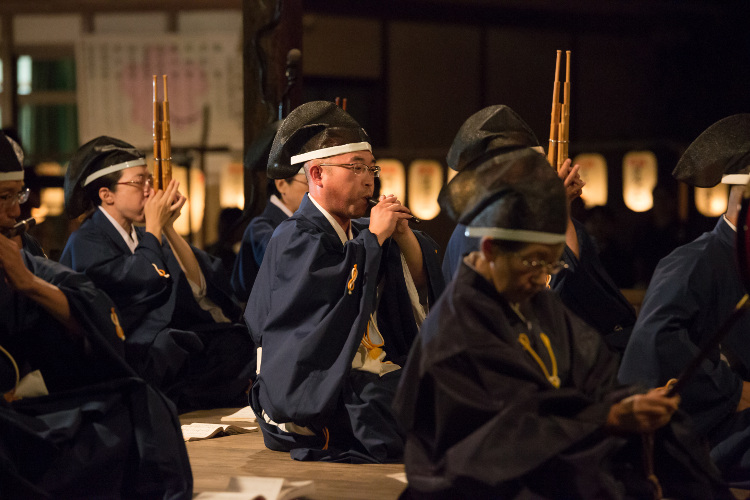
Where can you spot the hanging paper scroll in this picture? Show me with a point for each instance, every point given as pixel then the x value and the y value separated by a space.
pixel 115 80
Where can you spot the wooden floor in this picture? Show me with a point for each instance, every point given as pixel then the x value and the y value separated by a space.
pixel 215 460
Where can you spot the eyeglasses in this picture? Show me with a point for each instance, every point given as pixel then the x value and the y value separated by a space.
pixel 301 182
pixel 543 266
pixel 140 182
pixel 357 168
pixel 21 197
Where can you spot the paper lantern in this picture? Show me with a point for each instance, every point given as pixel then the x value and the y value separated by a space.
pixel 594 173
pixel 52 199
pixel 231 186
pixel 712 202
pixel 393 178
pixel 639 175
pixel 425 182
pixel 191 217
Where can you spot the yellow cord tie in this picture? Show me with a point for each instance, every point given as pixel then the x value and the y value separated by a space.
pixel 523 339
pixel 350 284
pixel 10 395
pixel 116 321
pixel 328 437
pixel 373 349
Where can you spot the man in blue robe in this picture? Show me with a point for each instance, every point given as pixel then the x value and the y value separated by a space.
pixel 75 421
pixel 177 308
pixel 692 292
pixel 336 304
pixel 584 285
pixel 287 194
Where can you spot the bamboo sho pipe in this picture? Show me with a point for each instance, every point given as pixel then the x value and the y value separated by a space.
pixel 559 129
pixel 162 138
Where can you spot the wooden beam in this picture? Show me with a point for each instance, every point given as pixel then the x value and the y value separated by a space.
pixel 7 101
pixel 77 6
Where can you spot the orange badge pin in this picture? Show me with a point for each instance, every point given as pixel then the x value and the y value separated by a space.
pixel 350 284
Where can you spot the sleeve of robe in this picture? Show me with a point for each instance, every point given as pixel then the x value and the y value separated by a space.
pixel 587 290
pixel 93 354
pixel 137 282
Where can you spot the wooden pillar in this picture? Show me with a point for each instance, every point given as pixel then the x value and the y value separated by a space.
pixel 7 98
pixel 269 32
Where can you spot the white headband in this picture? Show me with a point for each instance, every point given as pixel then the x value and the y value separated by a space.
pixel 332 151
pixel 516 235
pixel 114 168
pixel 735 179
pixel 16 175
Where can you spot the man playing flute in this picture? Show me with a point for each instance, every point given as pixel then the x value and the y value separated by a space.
pixel 336 303
pixel 80 423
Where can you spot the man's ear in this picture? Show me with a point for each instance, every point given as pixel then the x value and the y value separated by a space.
pixel 315 174
pixel 485 246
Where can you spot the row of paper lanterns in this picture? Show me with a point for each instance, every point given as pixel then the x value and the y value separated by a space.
pixel 426 178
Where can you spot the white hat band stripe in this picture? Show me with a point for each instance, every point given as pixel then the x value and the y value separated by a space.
pixel 16 175
pixel 516 235
pixel 114 168
pixel 735 179
pixel 332 151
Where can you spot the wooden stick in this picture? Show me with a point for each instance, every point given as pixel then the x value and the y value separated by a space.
pixel 564 129
pixel 555 118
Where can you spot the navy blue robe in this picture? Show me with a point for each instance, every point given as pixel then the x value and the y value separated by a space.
pixel 170 341
pixel 585 287
pixel 254 242
pixel 309 312
pixel 484 421
pixel 101 432
pixel 692 292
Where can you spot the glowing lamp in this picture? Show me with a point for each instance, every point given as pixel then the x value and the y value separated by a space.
pixel 593 172
pixel 52 199
pixel 392 178
pixel 191 217
pixel 231 186
pixel 712 202
pixel 639 174
pixel 425 182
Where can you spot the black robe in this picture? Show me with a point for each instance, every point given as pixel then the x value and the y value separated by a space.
pixel 584 287
pixel 170 341
pixel 309 312
pixel 101 432
pixel 484 421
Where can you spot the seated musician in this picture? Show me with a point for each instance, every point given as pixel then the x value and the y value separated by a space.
pixel 692 293
pixel 75 421
pixel 506 393
pixel 336 304
pixel 176 305
pixel 584 285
